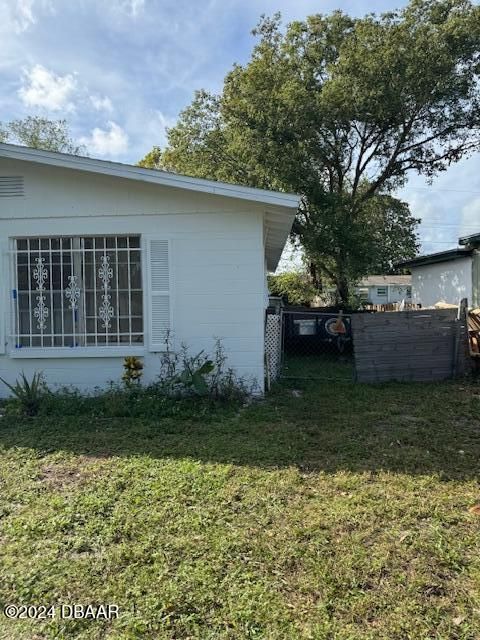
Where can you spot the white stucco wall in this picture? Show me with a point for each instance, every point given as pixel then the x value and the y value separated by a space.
pixel 395 293
pixel 217 262
pixel 442 282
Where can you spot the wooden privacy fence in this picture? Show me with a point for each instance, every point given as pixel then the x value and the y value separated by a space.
pixel 419 345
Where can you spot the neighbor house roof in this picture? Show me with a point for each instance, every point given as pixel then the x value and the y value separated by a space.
pixel 470 241
pixel 280 208
pixel 441 256
pixel 372 281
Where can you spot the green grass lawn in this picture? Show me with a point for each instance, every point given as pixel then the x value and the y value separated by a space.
pixel 323 366
pixel 336 511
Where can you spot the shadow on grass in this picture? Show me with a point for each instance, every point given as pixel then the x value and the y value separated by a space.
pixel 314 426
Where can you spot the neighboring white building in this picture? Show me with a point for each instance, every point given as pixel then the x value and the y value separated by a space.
pixel 385 289
pixel 100 260
pixel 447 276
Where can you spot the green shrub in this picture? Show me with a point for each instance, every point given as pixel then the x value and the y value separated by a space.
pixel 28 396
pixel 190 387
pixel 133 402
pixel 182 374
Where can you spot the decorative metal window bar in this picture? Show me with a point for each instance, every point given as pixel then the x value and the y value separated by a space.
pixel 77 291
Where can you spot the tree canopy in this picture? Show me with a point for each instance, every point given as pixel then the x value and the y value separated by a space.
pixel 41 133
pixel 294 286
pixel 341 110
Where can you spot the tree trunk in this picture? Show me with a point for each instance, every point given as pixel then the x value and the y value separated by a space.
pixel 342 283
pixel 317 282
pixel 343 291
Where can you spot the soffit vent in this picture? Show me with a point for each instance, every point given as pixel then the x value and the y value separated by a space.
pixel 11 186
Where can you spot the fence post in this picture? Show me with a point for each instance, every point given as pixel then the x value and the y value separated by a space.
pixel 461 319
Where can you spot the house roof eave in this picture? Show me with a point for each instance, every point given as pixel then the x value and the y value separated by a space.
pixel 434 258
pixel 154 176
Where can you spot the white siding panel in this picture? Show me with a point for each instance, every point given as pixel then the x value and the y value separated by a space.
pixel 442 282
pixel 216 265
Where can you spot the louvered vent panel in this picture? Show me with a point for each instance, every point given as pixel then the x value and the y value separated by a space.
pixel 11 186
pixel 160 319
pixel 159 265
pixel 159 293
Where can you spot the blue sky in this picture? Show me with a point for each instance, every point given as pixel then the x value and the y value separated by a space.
pixel 121 70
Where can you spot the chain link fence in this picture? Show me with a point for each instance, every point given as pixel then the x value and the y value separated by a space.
pixel 317 345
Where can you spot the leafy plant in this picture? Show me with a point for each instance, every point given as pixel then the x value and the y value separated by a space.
pixel 208 376
pixel 295 286
pixel 133 370
pixel 28 394
pixel 194 375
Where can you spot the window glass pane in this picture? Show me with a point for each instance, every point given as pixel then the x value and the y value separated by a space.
pixel 123 271
pixel 134 242
pixel 136 305
pixel 69 295
pixel 123 302
pixel 22 277
pixel 136 276
pixel 137 325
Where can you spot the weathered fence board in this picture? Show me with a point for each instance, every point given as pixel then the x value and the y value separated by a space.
pixel 410 345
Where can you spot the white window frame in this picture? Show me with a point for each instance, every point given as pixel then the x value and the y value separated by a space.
pixel 363 293
pixel 383 289
pixel 90 351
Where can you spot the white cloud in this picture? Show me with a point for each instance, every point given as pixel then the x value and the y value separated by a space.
pixel 133 7
pixel 146 128
pixel 23 16
pixel 111 142
pixel 101 104
pixel 20 15
pixel 43 88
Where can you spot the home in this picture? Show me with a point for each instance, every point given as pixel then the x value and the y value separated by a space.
pixel 384 289
pixel 447 276
pixel 102 260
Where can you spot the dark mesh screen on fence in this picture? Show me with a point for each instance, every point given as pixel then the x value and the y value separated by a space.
pixel 317 345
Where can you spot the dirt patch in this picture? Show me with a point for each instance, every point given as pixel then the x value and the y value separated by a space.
pixel 65 475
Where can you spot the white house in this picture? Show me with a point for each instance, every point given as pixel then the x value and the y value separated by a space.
pixel 100 260
pixel 385 289
pixel 447 276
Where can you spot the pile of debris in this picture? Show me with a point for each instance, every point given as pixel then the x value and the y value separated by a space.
pixel 474 332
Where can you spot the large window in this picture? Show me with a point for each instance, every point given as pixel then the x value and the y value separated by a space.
pixel 77 291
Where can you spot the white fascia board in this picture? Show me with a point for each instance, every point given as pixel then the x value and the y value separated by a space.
pixel 163 178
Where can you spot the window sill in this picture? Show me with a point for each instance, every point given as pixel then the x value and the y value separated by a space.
pixel 77 352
